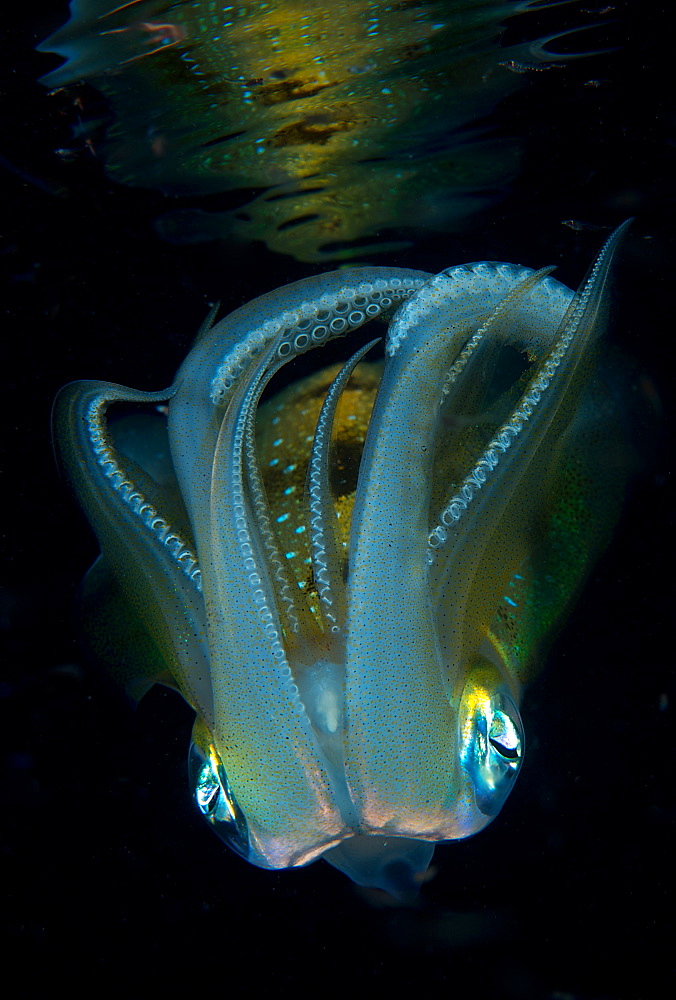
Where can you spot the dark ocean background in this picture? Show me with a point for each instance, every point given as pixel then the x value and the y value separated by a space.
pixel 110 879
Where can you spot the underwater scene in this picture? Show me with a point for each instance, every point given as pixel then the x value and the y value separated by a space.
pixel 339 444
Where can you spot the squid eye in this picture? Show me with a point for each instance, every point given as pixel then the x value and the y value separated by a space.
pixel 504 737
pixel 492 743
pixel 215 801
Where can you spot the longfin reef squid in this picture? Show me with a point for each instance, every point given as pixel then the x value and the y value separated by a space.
pixel 352 581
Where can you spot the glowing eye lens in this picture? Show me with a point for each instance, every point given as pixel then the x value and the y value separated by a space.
pixel 509 753
pixel 504 737
pixel 207 791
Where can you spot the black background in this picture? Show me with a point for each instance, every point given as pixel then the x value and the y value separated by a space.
pixel 109 874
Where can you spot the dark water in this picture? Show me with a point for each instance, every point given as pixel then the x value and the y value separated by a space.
pixel 109 875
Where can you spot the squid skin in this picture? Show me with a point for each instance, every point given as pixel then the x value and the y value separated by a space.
pixel 352 582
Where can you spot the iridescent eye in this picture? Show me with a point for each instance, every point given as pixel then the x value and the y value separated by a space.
pixel 491 739
pixel 215 801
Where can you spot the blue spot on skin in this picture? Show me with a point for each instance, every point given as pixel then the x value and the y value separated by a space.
pixel 282 517
pixel 510 601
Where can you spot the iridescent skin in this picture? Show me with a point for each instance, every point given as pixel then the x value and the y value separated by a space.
pixel 350 585
pixel 345 119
